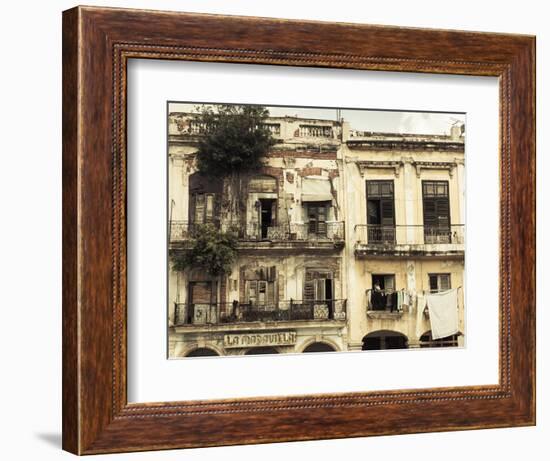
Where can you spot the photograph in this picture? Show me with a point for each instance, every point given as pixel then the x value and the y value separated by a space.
pixel 313 229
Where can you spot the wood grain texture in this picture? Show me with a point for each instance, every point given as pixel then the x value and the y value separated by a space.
pixel 97 43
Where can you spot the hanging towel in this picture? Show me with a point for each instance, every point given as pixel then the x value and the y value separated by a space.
pixel 400 300
pixel 420 305
pixel 443 308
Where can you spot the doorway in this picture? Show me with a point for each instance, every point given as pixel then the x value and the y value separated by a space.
pixel 267 215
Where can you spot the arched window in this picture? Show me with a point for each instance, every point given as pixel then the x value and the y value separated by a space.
pixel 426 340
pixel 261 351
pixel 202 352
pixel 319 347
pixel 384 339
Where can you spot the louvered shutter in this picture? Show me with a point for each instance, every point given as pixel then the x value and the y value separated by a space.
pixel 442 212
pixel 309 286
pixel 386 212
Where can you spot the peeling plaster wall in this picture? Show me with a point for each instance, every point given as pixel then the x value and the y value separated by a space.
pixel 348 167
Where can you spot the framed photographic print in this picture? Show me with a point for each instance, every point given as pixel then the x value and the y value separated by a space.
pixel 281 230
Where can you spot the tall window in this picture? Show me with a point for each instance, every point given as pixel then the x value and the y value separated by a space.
pixel 380 211
pixel 203 206
pixel 383 293
pixel 437 220
pixel 262 290
pixel 318 285
pixel 317 218
pixel 439 282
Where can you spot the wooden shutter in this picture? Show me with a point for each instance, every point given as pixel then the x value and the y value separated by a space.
pixel 271 292
pixel 435 197
pixel 201 292
pixel 199 209
pixel 380 203
pixel 386 212
pixel 209 207
pixel 442 211
pixel 389 282
pixel 309 286
pixel 252 291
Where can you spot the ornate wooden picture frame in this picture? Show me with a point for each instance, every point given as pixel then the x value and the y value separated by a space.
pixel 97 44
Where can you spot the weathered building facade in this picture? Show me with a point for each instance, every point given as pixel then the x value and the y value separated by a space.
pixel 339 234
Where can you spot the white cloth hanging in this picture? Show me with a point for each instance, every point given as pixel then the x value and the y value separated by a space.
pixel 420 305
pixel 443 308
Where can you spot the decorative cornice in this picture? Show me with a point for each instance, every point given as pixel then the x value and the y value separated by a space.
pixel 364 165
pixel 449 166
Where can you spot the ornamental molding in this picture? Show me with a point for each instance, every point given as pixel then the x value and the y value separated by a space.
pixel 449 166
pixel 364 165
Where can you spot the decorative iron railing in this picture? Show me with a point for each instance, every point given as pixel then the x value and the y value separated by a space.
pixel 374 234
pixel 180 231
pixel 283 311
pixel 312 231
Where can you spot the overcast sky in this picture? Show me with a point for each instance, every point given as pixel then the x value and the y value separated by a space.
pixel 365 119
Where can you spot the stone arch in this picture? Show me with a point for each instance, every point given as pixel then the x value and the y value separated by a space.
pixel 196 346
pixel 322 345
pixel 385 339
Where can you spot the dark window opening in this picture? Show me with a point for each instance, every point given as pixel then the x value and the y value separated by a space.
pixel 380 212
pixel 437 220
pixel 382 340
pixel 267 216
pixel 202 352
pixel 439 282
pixel 383 295
pixel 319 347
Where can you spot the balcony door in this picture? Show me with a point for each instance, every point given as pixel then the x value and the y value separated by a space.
pixel 437 219
pixel 319 289
pixel 380 212
pixel 266 218
pixel 317 218
pixel 202 302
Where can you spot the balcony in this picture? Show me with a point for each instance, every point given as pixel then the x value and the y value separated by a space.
pixel 318 236
pixel 382 305
pixel 303 236
pixel 233 313
pixel 409 241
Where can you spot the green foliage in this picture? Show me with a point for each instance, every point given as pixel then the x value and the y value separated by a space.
pixel 235 139
pixel 209 249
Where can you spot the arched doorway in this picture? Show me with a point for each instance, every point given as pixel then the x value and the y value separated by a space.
pixel 261 351
pixel 426 340
pixel 384 339
pixel 319 347
pixel 202 352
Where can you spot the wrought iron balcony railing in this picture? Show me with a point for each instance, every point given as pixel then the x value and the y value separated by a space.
pixel 180 231
pixel 374 234
pixel 235 312
pixel 330 231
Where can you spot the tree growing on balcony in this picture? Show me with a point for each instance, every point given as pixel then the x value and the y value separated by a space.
pixel 235 139
pixel 234 143
pixel 209 249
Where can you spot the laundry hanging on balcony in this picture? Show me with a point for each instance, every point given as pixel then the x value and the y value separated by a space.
pixel 443 309
pixel 316 190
